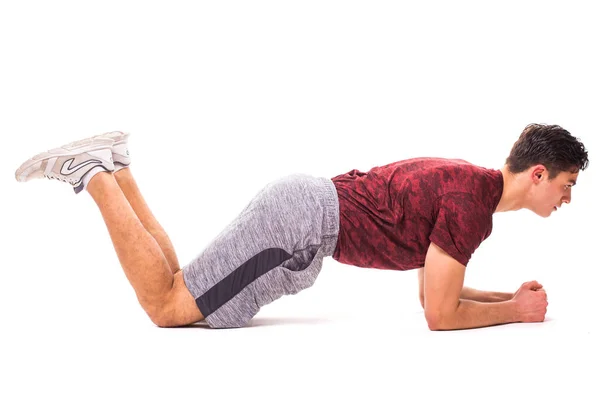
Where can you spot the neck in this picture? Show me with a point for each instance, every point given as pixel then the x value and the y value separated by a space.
pixel 513 192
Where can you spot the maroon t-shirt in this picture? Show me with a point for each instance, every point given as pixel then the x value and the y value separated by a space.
pixel 390 214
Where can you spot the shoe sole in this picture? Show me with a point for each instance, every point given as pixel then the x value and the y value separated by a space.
pixel 71 149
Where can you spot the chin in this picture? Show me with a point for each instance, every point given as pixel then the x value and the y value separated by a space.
pixel 548 215
pixel 543 215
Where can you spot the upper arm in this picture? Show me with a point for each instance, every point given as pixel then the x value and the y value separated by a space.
pixel 461 224
pixel 421 277
pixel 443 279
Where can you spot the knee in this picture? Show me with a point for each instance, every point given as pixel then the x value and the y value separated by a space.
pixel 176 308
pixel 159 314
pixel 160 310
pixel 162 321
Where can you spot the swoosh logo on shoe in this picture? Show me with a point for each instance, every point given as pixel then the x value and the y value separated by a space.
pixel 68 169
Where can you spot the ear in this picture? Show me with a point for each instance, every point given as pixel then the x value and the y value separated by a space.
pixel 538 173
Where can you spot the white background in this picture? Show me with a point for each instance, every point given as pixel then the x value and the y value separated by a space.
pixel 222 97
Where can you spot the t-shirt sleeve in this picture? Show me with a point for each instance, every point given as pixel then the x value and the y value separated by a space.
pixel 461 224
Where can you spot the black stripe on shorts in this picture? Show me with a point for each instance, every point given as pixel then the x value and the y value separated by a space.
pixel 241 277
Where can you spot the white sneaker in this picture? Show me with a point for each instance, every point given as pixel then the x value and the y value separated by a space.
pixel 120 148
pixel 74 163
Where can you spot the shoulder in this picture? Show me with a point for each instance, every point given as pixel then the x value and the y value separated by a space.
pixel 461 181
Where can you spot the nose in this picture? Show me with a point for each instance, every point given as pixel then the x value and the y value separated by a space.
pixel 566 199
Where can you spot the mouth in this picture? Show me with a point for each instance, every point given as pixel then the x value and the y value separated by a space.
pixel 555 208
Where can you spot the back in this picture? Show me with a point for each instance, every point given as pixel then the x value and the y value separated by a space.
pixel 390 214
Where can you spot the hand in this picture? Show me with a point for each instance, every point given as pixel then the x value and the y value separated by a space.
pixel 531 301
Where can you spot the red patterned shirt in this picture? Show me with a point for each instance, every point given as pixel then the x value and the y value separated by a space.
pixel 390 214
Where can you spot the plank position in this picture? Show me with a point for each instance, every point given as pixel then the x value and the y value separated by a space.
pixel 426 213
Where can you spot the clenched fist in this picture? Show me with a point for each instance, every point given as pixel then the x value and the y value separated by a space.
pixel 531 301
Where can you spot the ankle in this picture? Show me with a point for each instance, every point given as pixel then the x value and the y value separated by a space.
pixel 122 174
pixel 98 181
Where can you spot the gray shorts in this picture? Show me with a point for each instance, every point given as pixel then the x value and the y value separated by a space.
pixel 274 247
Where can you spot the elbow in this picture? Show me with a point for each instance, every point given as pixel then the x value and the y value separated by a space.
pixel 434 324
pixel 436 321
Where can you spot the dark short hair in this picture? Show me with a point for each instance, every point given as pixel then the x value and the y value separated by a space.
pixel 550 145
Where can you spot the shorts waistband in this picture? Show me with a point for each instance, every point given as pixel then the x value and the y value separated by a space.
pixel 331 221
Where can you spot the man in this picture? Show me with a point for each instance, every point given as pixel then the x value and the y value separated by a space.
pixel 426 213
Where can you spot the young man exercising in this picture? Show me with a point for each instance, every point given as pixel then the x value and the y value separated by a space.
pixel 425 213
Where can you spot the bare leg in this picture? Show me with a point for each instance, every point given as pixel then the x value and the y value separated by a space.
pixel 132 192
pixel 162 294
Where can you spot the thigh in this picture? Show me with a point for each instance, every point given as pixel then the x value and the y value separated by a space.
pixel 260 256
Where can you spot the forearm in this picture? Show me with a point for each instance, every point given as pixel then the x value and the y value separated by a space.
pixel 468 293
pixel 475 314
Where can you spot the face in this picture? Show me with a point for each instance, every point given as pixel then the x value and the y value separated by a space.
pixel 548 195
